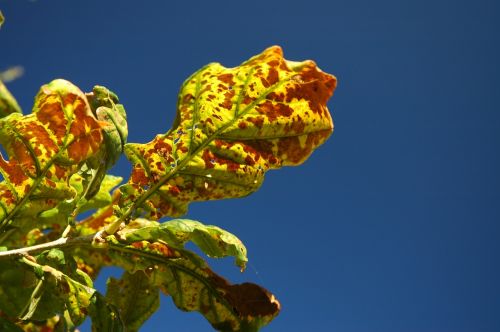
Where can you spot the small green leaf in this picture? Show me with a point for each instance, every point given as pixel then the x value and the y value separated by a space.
pixel 112 115
pixel 135 297
pixel 2 19
pixel 35 299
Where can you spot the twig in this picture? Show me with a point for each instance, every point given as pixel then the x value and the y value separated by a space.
pixel 59 243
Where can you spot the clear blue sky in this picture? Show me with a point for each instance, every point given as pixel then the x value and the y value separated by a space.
pixel 393 224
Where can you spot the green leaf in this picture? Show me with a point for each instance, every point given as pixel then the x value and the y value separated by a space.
pixel 212 240
pixel 8 103
pixel 105 316
pixel 112 115
pixel 16 286
pixel 135 297
pixel 62 292
pixel 2 19
pixel 194 287
pixel 105 105
pixel 102 198
pixel 232 125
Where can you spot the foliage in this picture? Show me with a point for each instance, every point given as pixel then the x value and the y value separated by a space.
pixel 232 126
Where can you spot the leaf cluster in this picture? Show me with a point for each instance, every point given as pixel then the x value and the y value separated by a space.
pixel 232 126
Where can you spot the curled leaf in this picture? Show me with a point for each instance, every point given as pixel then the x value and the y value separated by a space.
pixel 112 116
pixel 232 125
pixel 212 240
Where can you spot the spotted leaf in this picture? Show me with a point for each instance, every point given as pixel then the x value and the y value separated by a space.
pixel 61 137
pixel 232 125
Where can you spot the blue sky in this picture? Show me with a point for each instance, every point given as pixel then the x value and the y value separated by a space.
pixel 393 224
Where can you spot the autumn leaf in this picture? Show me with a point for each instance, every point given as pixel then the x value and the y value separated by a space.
pixel 46 149
pixel 232 125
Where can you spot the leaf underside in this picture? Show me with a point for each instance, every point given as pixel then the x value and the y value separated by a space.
pixel 192 285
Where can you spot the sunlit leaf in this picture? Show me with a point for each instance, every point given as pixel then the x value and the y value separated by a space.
pixel 45 149
pixel 233 124
pixel 58 155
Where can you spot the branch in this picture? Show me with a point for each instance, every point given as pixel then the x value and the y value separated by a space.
pixel 59 243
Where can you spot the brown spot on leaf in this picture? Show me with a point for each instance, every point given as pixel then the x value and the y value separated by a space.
pixel 226 78
pixel 52 115
pixel 272 111
pixel 227 103
pixel 315 86
pixel 249 161
pixel 272 76
pixel 208 158
pixel 257 121
pixel 23 156
pixel 13 170
pixel 139 176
